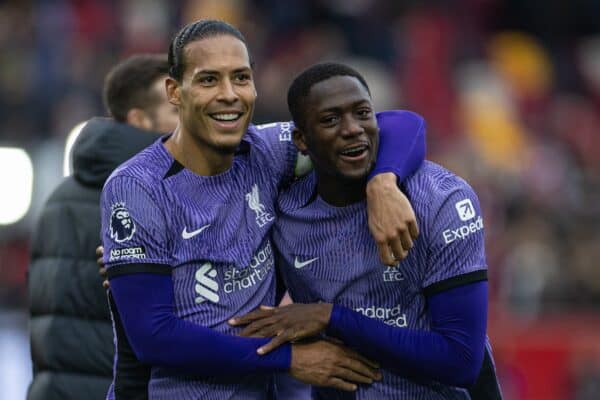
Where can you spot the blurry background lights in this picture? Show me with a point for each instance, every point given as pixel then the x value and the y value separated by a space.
pixel 16 179
pixel 71 137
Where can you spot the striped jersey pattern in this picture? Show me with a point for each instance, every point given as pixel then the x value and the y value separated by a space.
pixel 327 254
pixel 213 231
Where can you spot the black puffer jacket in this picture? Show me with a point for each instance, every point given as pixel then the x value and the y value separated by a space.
pixel 71 335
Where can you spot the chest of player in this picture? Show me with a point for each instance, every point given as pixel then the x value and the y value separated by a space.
pixel 210 292
pixel 223 218
pixel 340 263
pixel 344 268
pixel 330 255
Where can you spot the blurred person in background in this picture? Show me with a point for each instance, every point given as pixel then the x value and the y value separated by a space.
pixel 71 336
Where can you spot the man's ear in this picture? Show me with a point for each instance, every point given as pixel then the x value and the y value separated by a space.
pixel 300 140
pixel 139 118
pixel 173 91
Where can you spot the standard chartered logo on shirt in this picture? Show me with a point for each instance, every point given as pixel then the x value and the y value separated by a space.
pixel 261 264
pixel 391 316
pixel 207 287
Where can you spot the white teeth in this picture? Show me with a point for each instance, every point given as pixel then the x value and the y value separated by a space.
pixel 354 151
pixel 226 117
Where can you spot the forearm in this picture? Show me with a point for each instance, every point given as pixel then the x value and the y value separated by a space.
pixel 451 353
pixel 159 338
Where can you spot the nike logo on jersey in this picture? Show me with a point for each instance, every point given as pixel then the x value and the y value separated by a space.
pixel 188 235
pixel 301 264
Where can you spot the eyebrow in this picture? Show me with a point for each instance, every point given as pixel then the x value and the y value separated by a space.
pixel 338 108
pixel 216 72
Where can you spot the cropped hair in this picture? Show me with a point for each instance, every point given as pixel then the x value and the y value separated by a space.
pixel 128 84
pixel 300 87
pixel 202 29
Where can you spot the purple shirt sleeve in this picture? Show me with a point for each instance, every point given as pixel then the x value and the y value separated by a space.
pixel 145 304
pixel 134 228
pixel 451 352
pixel 455 234
pixel 401 143
pixel 277 152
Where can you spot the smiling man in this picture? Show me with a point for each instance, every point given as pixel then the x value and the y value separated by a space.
pixel 186 231
pixel 424 320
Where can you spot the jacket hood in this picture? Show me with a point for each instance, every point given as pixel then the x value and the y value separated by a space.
pixel 103 145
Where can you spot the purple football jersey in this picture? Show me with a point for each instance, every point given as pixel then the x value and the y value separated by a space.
pixel 213 231
pixel 327 254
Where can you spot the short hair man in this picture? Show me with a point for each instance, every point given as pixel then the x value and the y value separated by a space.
pixel 134 93
pixel 186 232
pixel 71 337
pixel 424 320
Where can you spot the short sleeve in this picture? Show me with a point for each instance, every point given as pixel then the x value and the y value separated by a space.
pixel 134 227
pixel 278 153
pixel 456 253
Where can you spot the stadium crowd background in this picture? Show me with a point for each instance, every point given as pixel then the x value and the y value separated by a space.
pixel 510 90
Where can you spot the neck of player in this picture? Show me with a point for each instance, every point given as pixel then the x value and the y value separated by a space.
pixel 197 157
pixel 340 192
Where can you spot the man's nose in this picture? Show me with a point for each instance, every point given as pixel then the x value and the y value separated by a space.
pixel 351 126
pixel 227 92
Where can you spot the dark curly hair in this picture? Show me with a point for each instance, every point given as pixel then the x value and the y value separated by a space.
pixel 201 29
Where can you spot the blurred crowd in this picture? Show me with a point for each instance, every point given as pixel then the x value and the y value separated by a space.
pixel 510 90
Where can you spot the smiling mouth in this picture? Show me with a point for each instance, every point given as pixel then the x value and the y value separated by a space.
pixel 355 151
pixel 226 117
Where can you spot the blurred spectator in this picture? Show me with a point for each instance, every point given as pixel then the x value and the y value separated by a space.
pixel 71 334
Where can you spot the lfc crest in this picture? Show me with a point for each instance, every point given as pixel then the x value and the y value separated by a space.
pixel 253 199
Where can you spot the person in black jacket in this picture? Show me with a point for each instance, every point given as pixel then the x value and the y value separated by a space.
pixel 71 335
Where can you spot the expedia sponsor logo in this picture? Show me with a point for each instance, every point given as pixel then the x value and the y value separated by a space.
pixel 391 316
pixel 127 253
pixel 465 209
pixel 462 232
pixel 285 131
pixel 260 266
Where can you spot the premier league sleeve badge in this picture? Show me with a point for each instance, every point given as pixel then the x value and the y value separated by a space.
pixel 122 227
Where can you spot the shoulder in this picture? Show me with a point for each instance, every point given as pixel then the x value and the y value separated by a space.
pixel 266 134
pixel 281 130
pixel 298 194
pixel 432 183
pixel 433 191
